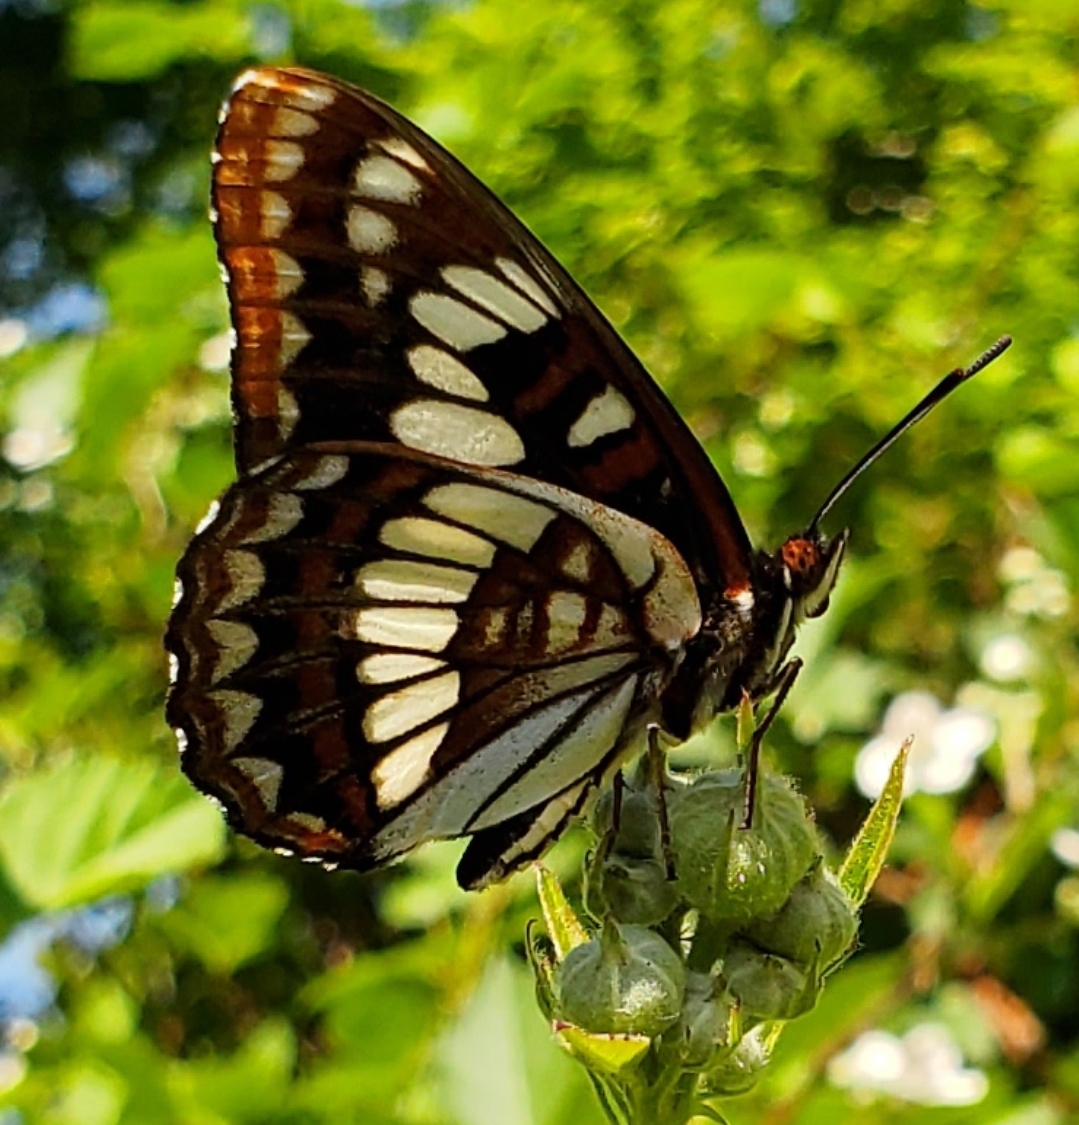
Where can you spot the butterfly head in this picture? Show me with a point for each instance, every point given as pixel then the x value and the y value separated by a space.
pixel 810 566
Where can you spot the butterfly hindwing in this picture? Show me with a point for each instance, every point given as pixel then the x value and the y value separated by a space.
pixel 377 647
pixel 380 293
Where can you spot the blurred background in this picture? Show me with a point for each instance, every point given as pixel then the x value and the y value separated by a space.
pixel 800 213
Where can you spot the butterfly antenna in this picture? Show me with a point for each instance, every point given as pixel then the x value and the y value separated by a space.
pixel 940 392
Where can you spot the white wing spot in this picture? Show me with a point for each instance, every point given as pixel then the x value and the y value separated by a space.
pixel 246 576
pixel 606 414
pixel 439 369
pixel 236 644
pixel 405 769
pixel 326 471
pixel 495 296
pixel 388 667
pixel 438 540
pixel 293 123
pixel 266 776
pixel 369 232
pixel 402 150
pixel 288 273
pixel 375 284
pixel 578 563
pixel 426 628
pixel 454 323
pixel 379 177
pixel 294 338
pixel 460 433
pixel 495 621
pixel 502 515
pixel 211 515
pixel 566 613
pixel 283 160
pixel 307 822
pixel 251 77
pixel 288 413
pixel 239 710
pixel 283 512
pixel 398 712
pixel 174 668
pixel 309 96
pixel 274 214
pixel 527 284
pixel 406 580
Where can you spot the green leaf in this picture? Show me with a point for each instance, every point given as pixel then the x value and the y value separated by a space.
pixel 97 826
pixel 228 920
pixel 123 42
pixel 501 1064
pixel 379 1018
pixel 248 1085
pixel 870 848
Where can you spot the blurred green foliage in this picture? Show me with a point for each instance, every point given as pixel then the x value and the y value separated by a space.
pixel 800 214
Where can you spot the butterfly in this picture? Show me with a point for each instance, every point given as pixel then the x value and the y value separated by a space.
pixel 472 551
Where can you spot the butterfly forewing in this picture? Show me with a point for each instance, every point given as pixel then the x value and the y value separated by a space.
pixel 376 647
pixel 380 293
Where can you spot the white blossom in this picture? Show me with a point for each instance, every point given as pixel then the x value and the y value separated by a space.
pixel 925 1066
pixel 944 753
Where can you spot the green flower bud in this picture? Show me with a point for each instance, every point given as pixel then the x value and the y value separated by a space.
pixel 628 980
pixel 705 1026
pixel 818 921
pixel 738 1072
pixel 767 987
pixel 737 874
pixel 633 890
pixel 638 820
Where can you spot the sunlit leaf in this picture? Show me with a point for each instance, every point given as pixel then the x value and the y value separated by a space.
pixel 227 920
pixel 96 826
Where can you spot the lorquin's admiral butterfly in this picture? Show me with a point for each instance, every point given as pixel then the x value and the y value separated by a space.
pixel 472 550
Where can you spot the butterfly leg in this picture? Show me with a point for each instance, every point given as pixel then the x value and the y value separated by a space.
pixel 606 841
pixel 657 765
pixel 782 685
pixel 618 789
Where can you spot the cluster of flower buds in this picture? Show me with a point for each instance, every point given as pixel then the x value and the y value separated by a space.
pixel 709 933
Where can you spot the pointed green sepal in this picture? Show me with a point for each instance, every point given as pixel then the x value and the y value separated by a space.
pixel 563 926
pixel 611 1054
pixel 870 848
